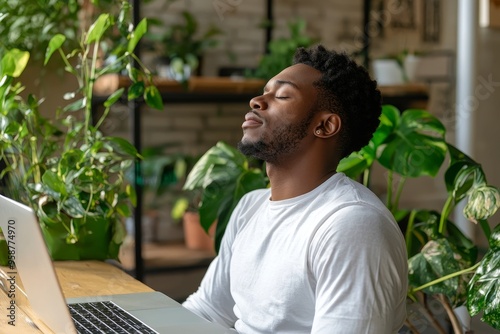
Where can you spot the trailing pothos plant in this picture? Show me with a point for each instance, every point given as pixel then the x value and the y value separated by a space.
pixel 64 167
pixel 442 260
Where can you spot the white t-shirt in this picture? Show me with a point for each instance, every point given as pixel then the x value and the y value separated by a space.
pixel 332 260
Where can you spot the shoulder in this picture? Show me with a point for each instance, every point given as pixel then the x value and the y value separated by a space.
pixel 358 221
pixel 350 191
pixel 344 200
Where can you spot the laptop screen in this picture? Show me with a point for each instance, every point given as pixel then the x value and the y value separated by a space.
pixel 33 271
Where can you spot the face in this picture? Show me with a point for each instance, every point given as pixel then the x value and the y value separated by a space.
pixel 280 118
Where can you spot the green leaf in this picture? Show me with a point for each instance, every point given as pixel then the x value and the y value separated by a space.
pixel 14 62
pixel 53 181
pixel 223 175
pixel 137 34
pixel 55 43
pixel 75 106
pixel 484 288
pixel 119 232
pixel 74 208
pixel 113 98
pixel 389 120
pixel 483 203
pixel 98 28
pixel 132 195
pixel 462 175
pixel 133 73
pixel 68 161
pixel 221 154
pixel 354 165
pixel 153 98
pixel 123 209
pixel 417 146
pixel 123 146
pixel 437 259
pixel 136 90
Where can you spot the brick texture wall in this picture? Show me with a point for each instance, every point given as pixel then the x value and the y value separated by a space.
pixel 337 24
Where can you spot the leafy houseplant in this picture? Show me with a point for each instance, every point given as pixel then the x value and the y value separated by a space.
pixel 281 51
pixel 65 168
pixel 222 175
pixel 183 46
pixel 28 25
pixel 442 261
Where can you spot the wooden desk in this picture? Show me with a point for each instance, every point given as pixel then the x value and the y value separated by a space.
pixel 77 279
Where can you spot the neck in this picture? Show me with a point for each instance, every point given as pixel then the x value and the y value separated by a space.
pixel 294 179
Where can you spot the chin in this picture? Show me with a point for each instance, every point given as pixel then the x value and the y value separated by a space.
pixel 245 146
pixel 246 140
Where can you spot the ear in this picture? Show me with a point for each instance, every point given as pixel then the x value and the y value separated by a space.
pixel 329 125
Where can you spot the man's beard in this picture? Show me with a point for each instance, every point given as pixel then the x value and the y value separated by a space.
pixel 282 141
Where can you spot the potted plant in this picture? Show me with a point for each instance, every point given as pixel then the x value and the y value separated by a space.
pixel 182 47
pixel 443 262
pixel 65 168
pixel 222 176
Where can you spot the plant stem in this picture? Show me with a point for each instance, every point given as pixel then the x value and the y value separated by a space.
pixel 90 88
pixel 399 191
pixel 105 69
pixel 69 67
pixel 432 318
pixel 34 161
pixel 366 177
pixel 412 328
pixel 444 278
pixel 455 323
pixel 141 64
pixel 103 117
pixel 444 214
pixel 409 230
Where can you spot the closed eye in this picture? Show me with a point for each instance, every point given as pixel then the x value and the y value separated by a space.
pixel 282 97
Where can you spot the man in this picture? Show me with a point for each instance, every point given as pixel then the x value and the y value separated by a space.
pixel 317 252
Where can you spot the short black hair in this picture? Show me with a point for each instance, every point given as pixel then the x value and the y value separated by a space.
pixel 347 90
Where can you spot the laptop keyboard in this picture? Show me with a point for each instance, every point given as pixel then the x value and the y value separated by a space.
pixel 105 317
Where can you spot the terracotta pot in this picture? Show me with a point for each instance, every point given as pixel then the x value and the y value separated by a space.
pixel 195 236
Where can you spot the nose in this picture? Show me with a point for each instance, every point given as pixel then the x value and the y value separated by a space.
pixel 258 103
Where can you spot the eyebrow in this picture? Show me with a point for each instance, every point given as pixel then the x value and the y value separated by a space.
pixel 283 82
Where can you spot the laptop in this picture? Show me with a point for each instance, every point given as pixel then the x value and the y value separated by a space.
pixel 148 312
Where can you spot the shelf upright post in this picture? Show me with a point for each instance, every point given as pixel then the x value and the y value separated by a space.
pixel 135 127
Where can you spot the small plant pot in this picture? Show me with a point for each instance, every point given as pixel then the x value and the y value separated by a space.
pixel 195 236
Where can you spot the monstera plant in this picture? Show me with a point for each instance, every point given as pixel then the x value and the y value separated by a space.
pixel 222 176
pixel 64 167
pixel 442 261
